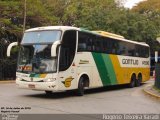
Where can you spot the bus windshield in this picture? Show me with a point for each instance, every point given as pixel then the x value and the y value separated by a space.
pixel 36 59
pixel 46 36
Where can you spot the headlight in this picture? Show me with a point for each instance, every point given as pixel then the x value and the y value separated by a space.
pixel 49 80
pixel 18 79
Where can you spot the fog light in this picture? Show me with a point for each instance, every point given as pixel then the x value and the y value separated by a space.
pixel 18 79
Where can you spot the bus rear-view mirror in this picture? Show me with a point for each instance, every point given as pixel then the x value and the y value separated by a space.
pixel 10 48
pixel 54 48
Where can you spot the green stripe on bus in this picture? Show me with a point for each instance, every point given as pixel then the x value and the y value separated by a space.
pixel 87 31
pixel 34 75
pixel 105 68
pixel 110 69
pixel 101 68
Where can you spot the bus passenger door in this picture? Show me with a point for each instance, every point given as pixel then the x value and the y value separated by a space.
pixel 67 70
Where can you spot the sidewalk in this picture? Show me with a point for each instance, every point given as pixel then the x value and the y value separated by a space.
pixel 7 81
pixel 151 90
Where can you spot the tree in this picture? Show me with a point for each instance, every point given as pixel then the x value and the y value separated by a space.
pixel 90 14
pixel 150 10
pixel 11 24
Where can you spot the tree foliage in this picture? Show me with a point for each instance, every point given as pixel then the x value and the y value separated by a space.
pixel 150 10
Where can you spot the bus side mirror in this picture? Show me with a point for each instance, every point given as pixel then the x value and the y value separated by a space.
pixel 10 47
pixel 54 47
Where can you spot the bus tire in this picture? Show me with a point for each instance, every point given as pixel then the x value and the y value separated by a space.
pixel 48 92
pixel 133 81
pixel 139 80
pixel 80 91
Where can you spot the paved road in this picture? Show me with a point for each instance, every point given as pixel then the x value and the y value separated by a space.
pixel 106 100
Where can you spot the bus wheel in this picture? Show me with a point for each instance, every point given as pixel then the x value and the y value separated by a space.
pixel 48 92
pixel 80 91
pixel 133 81
pixel 139 80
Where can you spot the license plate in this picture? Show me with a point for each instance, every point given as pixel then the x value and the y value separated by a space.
pixel 31 86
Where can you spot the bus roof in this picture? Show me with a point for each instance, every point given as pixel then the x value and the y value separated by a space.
pixel 118 37
pixel 63 28
pixel 101 33
pixel 104 33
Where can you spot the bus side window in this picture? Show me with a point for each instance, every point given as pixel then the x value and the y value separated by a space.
pixel 137 54
pixel 131 53
pixel 82 46
pixel 116 47
pixel 105 43
pixel 81 42
pixel 84 42
pixel 108 46
pixel 95 45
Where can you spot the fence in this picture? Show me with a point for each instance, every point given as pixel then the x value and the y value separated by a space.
pixel 7 69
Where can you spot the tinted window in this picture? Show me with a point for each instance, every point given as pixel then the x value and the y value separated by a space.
pixel 95 43
pixel 68 48
pixel 85 41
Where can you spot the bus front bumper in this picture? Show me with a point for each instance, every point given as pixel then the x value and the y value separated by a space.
pixel 42 86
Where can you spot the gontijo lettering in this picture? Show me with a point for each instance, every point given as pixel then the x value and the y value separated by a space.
pixel 145 62
pixel 130 61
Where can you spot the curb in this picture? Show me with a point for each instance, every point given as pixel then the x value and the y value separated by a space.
pixel 7 81
pixel 151 94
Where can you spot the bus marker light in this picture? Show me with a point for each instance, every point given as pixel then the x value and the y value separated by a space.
pixel 73 64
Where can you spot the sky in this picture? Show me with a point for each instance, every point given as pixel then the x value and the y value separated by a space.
pixel 131 3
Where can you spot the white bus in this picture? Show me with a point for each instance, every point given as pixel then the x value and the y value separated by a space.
pixel 60 58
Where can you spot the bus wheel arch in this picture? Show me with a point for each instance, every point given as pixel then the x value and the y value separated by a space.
pixel 132 80
pixel 82 83
pixel 86 80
